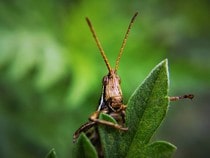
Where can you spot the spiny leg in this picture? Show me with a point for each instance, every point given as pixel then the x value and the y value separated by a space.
pixel 83 128
pixel 186 96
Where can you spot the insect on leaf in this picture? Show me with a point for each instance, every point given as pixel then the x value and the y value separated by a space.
pixel 146 109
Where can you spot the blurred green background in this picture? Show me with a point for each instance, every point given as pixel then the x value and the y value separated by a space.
pixel 51 69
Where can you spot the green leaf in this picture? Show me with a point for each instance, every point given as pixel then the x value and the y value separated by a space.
pixel 84 148
pixel 146 109
pixel 160 149
pixel 108 136
pixel 51 154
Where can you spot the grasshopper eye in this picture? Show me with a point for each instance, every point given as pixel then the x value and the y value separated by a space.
pixel 119 79
pixel 105 80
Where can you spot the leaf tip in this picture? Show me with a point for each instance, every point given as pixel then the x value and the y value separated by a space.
pixel 51 154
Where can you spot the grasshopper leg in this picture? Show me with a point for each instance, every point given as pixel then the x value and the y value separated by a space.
pixel 175 98
pixel 83 128
pixel 94 118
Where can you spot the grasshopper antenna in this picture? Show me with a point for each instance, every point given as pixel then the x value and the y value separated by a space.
pixel 99 44
pixel 124 41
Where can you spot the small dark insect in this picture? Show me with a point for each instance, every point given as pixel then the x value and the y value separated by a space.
pixel 111 100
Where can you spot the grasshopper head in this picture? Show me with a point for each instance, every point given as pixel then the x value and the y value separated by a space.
pixel 112 88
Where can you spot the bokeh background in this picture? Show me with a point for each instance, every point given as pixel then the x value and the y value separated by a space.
pixel 51 69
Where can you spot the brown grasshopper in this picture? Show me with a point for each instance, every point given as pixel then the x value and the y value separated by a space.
pixel 111 100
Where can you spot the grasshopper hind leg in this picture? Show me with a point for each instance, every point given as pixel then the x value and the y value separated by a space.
pixel 91 131
pixel 84 128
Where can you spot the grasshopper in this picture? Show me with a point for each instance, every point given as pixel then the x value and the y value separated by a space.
pixel 111 100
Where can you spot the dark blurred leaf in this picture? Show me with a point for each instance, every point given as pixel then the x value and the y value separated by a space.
pixel 83 148
pixel 51 154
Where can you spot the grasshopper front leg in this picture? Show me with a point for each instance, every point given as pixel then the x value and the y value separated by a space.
pixel 94 118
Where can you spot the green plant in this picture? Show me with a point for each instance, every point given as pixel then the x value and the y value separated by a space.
pixel 51 154
pixel 146 110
